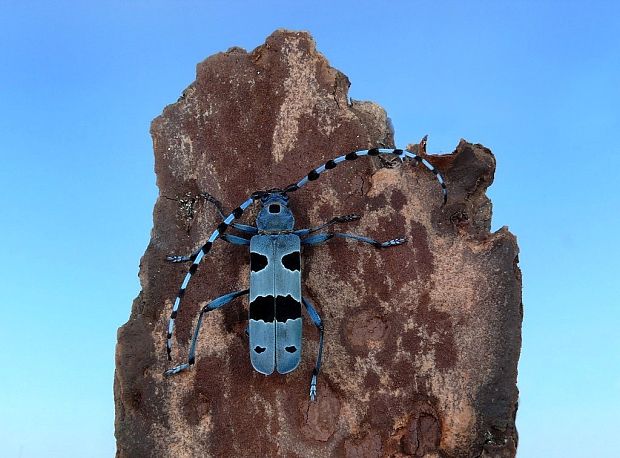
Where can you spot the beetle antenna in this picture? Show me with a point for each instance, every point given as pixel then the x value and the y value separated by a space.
pixel 313 175
pixel 402 154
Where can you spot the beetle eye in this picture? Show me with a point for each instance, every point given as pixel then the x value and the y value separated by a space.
pixel 274 208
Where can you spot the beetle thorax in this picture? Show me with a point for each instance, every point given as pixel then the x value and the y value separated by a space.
pixel 275 215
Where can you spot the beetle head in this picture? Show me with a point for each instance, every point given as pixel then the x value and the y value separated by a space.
pixel 275 214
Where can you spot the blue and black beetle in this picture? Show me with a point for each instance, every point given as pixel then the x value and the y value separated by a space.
pixel 275 326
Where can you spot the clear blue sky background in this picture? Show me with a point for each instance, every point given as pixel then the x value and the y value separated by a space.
pixel 538 82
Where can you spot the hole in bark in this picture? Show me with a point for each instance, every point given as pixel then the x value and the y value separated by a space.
pixel 460 218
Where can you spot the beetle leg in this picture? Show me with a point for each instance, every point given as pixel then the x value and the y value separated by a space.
pixel 176 258
pixel 235 240
pixel 337 219
pixel 316 319
pixel 213 305
pixel 245 228
pixel 322 238
pixel 232 239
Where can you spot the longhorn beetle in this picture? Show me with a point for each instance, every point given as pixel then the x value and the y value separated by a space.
pixel 275 272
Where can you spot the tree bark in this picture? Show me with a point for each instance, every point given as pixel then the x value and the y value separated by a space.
pixel 422 340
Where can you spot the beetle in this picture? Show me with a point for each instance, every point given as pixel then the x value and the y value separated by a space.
pixel 275 320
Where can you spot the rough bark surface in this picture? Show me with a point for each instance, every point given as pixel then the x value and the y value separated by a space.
pixel 421 340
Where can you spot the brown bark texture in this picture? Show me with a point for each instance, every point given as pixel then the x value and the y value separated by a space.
pixel 422 340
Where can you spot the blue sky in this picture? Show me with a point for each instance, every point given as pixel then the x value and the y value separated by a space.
pixel 538 82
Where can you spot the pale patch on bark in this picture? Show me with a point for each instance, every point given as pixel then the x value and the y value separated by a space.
pixel 300 98
pixel 175 440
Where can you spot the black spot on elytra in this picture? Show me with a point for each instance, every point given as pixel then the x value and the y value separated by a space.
pixel 261 308
pixel 258 261
pixel 292 261
pixel 291 349
pixel 258 349
pixel 287 308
